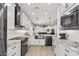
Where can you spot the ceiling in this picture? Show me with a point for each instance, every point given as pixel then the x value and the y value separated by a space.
pixel 40 13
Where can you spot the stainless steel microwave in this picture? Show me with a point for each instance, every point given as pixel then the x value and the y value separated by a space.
pixel 71 19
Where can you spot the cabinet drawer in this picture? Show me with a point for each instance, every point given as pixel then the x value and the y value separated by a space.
pixel 70 52
pixel 11 49
pixel 12 54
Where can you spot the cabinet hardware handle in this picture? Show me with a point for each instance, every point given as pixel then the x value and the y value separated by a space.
pixel 14 47
pixel 14 54
pixel 66 50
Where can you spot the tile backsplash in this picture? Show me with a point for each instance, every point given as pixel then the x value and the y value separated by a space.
pixel 72 34
pixel 14 33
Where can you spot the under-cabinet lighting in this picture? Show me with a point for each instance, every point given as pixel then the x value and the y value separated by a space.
pixel 28 3
pixel 7 4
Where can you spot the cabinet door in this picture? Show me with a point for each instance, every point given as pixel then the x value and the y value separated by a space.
pixel 18 49
pixel 11 51
pixel 72 53
pixel 70 4
pixel 10 16
pixel 42 41
pixel 61 50
pixel 15 50
pixel 57 49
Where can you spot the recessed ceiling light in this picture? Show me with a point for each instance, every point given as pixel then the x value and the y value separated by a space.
pixel 33 13
pixel 45 13
pixel 49 3
pixel 28 3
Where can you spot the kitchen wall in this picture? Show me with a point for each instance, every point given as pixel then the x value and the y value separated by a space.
pixel 12 32
pixel 72 34
pixel 25 21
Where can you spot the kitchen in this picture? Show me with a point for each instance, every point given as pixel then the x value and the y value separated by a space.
pixel 39 29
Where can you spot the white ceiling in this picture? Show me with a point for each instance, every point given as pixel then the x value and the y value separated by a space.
pixel 43 12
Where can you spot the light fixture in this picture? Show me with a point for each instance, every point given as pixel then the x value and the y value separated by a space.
pixel 45 13
pixel 7 4
pixel 28 3
pixel 49 3
pixel 33 13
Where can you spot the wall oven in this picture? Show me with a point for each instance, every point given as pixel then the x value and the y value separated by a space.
pixel 71 18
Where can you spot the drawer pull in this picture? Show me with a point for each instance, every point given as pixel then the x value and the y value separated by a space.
pixel 65 55
pixel 14 47
pixel 14 54
pixel 66 50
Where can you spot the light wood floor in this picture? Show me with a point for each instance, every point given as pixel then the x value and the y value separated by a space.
pixel 40 51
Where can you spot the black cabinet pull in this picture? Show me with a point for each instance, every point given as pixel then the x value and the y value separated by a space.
pixel 66 50
pixel 14 54
pixel 14 47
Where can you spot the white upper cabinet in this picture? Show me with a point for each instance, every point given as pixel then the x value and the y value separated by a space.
pixel 10 16
pixel 65 6
pixel 24 19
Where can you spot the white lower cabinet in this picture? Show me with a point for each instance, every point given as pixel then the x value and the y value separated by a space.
pixel 56 48
pixel 42 41
pixel 61 50
pixel 69 52
pixel 14 50
pixel 33 41
pixel 38 42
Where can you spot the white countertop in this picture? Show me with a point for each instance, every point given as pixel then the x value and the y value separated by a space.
pixel 70 45
pixel 12 42
pixel 15 40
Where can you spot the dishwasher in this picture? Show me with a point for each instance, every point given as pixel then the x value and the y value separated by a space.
pixel 48 41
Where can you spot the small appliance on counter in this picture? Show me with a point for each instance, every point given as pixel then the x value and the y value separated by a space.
pixel 63 36
pixel 52 31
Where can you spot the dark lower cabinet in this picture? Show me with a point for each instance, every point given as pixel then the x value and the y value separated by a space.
pixel 48 41
pixel 24 46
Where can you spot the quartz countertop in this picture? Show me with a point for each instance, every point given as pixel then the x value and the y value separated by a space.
pixel 15 40
pixel 74 46
pixel 12 42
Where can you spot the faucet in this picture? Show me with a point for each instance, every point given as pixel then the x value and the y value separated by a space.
pixel 23 27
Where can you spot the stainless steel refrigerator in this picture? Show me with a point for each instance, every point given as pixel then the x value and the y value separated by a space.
pixel 3 29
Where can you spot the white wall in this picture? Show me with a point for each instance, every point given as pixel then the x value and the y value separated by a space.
pixel 73 34
pixel 12 32
pixel 24 19
pixel 10 16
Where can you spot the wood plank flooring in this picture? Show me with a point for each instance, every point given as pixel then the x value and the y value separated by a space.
pixel 40 51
